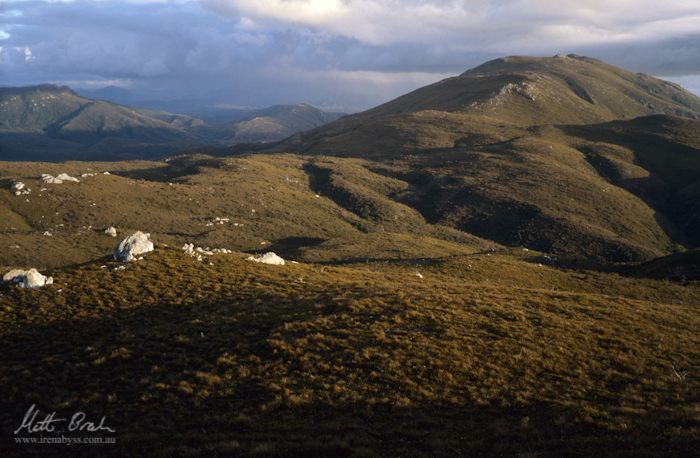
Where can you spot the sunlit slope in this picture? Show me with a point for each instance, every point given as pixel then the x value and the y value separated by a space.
pixel 273 202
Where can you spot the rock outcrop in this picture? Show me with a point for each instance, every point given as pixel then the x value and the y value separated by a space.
pixel 61 178
pixel 133 246
pixel 31 278
pixel 267 258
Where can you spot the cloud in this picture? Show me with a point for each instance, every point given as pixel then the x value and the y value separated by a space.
pixel 340 53
pixel 494 24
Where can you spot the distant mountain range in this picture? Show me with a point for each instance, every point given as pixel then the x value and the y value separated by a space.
pixel 210 111
pixel 50 122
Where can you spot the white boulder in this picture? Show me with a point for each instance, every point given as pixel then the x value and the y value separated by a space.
pixel 134 245
pixel 267 258
pixel 27 278
pixel 61 178
pixel 11 275
pixel 20 189
pixel 46 178
pixel 66 177
pixel 111 231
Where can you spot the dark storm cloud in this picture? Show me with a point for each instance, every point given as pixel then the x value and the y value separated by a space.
pixel 348 54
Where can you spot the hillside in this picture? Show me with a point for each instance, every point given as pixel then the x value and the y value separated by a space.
pixel 517 151
pixel 548 90
pixel 484 350
pixel 51 122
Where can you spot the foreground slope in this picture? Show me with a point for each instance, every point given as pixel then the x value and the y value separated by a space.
pixel 483 350
pixel 517 151
pixel 486 354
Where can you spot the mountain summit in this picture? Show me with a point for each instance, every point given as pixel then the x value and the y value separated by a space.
pixel 549 90
pixel 564 154
pixel 522 91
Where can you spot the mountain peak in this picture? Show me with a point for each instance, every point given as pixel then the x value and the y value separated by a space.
pixel 527 90
pixel 533 63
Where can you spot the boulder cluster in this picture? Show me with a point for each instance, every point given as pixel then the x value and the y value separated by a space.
pixel 130 249
pixel 20 189
pixel 198 252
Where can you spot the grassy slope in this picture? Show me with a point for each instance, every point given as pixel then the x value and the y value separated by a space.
pixel 424 196
pixel 489 351
pixel 487 354
pixel 273 199
pixel 657 158
pixel 493 351
pixel 555 189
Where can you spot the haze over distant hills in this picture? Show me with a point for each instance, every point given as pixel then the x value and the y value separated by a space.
pixel 209 109
pixel 50 122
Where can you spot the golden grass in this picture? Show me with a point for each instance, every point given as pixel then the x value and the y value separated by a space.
pixel 484 355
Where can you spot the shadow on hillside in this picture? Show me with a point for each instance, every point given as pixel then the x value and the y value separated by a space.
pixel 672 163
pixel 680 267
pixel 150 370
pixel 171 170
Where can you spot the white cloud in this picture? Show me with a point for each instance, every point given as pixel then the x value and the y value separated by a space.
pixel 12 55
pixel 496 24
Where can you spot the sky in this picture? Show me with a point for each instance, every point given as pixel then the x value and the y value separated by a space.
pixel 344 55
